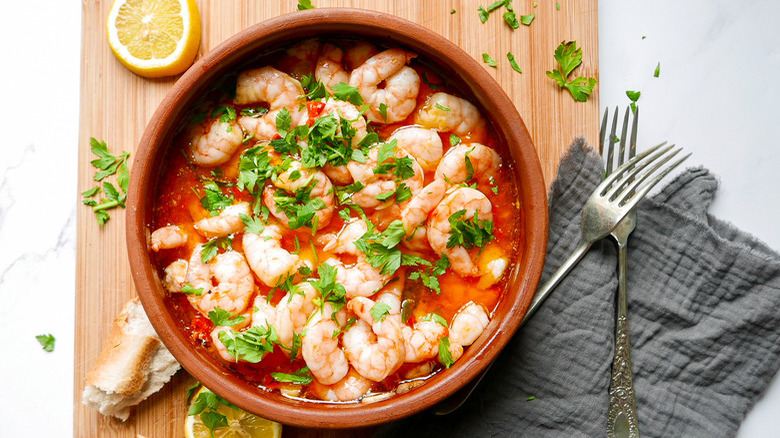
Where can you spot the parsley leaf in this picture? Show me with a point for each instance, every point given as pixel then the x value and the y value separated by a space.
pixel 283 122
pixel 383 111
pixel 435 317
pixel 214 201
pixel 495 5
pixel 634 96
pixel 569 57
pixel 252 224
pixel 430 277
pixel 445 357
pixel 46 341
pixel 489 60
pixel 469 233
pixel 257 111
pixel 300 377
pixel 212 247
pixel 305 4
pixel 511 19
pixel 512 62
pixel 483 14
pixel 188 289
pixel 221 317
pixel 330 291
pixel 657 71
pixel 348 93
pixel 380 311
pixel 250 345
pixel 527 19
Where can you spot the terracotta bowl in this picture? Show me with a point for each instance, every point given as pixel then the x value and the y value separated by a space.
pixel 453 62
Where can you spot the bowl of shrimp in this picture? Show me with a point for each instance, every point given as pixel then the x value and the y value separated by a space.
pixel 336 218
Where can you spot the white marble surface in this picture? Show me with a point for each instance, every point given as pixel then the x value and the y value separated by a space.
pixel 716 96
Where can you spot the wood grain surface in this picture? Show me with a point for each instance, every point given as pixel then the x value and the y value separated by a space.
pixel 116 105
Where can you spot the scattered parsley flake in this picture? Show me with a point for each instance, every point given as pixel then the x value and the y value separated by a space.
pixel 347 93
pixel 212 247
pixel 469 233
pixel 557 6
pixel 108 164
pixel 489 60
pixel 250 345
pixel 513 62
pixel 634 96
pixel 511 19
pixel 383 111
pixel 657 71
pixel 527 19
pixel 454 140
pixel 300 377
pixel 442 107
pixel 530 398
pixel 495 5
pixel 435 317
pixel 445 357
pixel 483 14
pixel 452 11
pixel 257 111
pixel 380 311
pixel 221 317
pixel 305 4
pixel 188 289
pixel 46 341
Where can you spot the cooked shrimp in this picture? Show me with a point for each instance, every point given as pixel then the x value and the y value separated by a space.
pixel 168 237
pixel 447 113
pixel 402 84
pixel 358 53
pixel 439 227
pixel 212 145
pixel 391 294
pixel 374 348
pixel 348 112
pixel 330 67
pixel 320 348
pixel 305 53
pixel 263 312
pixel 343 242
pixel 268 260
pixel 274 87
pixel 416 211
pixel 227 222
pixel 221 348
pixel 293 311
pixel 352 387
pixel 226 281
pixel 421 143
pixel 485 163
pixel 360 279
pixel 421 342
pixel 375 184
pixel 314 181
pixel 468 323
pixel 175 276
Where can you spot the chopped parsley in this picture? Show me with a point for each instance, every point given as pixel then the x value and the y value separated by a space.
pixel 430 277
pixel 225 113
pixel 329 290
pixel 435 317
pixel 347 93
pixel 214 200
pixel 383 111
pixel 513 62
pixel 46 341
pixel 305 4
pixel 221 317
pixel 250 345
pixel 489 60
pixel 380 311
pixel 527 19
pixel 300 377
pixel 657 71
pixel 454 140
pixel 569 57
pixel 257 111
pixel 633 96
pixel 445 356
pixel 212 247
pixel 381 251
pixel 511 19
pixel 188 289
pixel 469 233
pixel 252 224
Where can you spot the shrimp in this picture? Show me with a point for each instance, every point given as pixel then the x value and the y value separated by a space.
pixel 330 67
pixel 293 311
pixel 168 237
pixel 447 113
pixel 279 90
pixel 320 348
pixel 416 211
pixel 454 166
pixel 468 324
pixel 305 54
pixel 230 272
pixel 402 84
pixel 376 184
pixel 352 387
pixel 421 143
pixel 214 145
pixel 263 313
pixel 350 113
pixel 374 348
pixel 315 182
pixel 175 275
pixel 421 342
pixel 391 294
pixel 221 348
pixel 268 260
pixel 343 242
pixel 360 279
pixel 439 227
pixel 358 53
pixel 227 222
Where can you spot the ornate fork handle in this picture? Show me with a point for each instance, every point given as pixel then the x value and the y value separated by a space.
pixel 622 417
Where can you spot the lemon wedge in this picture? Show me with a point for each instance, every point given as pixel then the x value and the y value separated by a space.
pixel 240 424
pixel 154 38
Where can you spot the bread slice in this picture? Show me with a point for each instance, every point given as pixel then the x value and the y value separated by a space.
pixel 132 365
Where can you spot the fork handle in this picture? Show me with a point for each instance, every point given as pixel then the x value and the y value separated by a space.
pixel 556 278
pixel 622 417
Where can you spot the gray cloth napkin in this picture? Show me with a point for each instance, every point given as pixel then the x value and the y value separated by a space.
pixel 704 316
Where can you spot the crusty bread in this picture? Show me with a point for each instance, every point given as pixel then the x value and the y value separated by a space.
pixel 133 365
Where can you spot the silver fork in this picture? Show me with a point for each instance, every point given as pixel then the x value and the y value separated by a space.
pixel 622 419
pixel 603 211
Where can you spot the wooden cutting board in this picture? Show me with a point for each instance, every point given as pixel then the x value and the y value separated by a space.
pixel 116 106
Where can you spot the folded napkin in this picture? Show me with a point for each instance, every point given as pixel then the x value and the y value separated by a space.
pixel 704 317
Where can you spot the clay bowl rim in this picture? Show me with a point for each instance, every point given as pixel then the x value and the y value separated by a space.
pixel 393 30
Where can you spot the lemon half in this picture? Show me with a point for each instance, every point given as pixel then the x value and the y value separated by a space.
pixel 241 424
pixel 154 38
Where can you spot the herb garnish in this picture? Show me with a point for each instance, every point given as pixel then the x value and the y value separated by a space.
pixel 469 233
pixel 489 60
pixel 46 341
pixel 569 56
pixel 305 4
pixel 634 96
pixel 380 311
pixel 212 247
pixel 214 200
pixel 512 62
pixel 188 289
pixel 300 377
pixel 657 71
pixel 221 317
pixel 108 164
pixel 250 345
pixel 430 277
pixel 445 356
pixel 435 317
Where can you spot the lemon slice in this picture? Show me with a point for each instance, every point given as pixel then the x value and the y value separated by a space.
pixel 154 38
pixel 241 424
